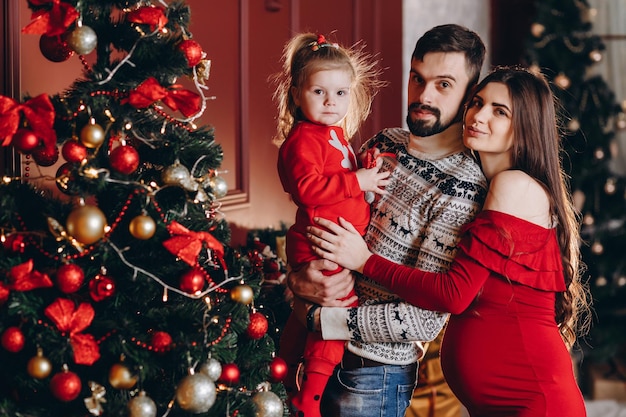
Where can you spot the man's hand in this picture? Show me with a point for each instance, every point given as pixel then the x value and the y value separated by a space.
pixel 326 290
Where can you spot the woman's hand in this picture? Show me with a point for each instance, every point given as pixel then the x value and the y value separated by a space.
pixel 340 243
pixel 311 284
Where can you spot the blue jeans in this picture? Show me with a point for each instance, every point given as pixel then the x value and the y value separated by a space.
pixel 380 391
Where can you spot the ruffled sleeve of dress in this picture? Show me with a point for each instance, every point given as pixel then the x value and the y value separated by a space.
pixel 519 250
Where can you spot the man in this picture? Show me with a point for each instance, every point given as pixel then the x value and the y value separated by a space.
pixel 435 187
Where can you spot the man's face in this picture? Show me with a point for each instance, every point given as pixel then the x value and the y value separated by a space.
pixel 436 90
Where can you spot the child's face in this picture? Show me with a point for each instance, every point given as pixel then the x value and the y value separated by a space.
pixel 325 96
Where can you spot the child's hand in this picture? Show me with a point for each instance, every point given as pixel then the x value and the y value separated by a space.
pixel 370 179
pixel 368 157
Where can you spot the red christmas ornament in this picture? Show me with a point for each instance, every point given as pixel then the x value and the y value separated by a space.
pixel 25 140
pixel 69 278
pixel 54 48
pixel 73 151
pixel 192 51
pixel 230 374
pixel 13 339
pixel 161 341
pixel 124 159
pixel 278 369
pixel 257 328
pixel 45 156
pixel 14 243
pixel 101 287
pixel 65 385
pixel 65 179
pixel 192 281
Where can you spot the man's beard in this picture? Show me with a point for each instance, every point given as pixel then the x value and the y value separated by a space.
pixel 422 128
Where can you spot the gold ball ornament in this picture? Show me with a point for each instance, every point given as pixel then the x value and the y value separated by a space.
pixel 267 404
pixel 242 294
pixel 196 393
pixel 86 224
pixel 92 135
pixel 219 187
pixel 39 367
pixel 142 227
pixel 120 377
pixel 141 406
pixel 537 29
pixel 82 40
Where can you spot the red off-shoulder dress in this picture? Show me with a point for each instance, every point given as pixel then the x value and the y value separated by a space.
pixel 501 354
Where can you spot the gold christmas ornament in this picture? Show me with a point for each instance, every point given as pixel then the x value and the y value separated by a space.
pixel 141 406
pixel 196 393
pixel 242 294
pixel 142 227
pixel 120 377
pixel 82 40
pixel 39 367
pixel 86 224
pixel 92 135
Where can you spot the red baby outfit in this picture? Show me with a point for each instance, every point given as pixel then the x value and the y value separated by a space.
pixel 502 353
pixel 317 168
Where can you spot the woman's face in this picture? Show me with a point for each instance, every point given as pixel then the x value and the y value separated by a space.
pixel 489 122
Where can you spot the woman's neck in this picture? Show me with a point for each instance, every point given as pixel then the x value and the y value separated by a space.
pixel 493 164
pixel 437 146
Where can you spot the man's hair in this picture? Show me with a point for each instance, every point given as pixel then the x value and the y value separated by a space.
pixel 454 38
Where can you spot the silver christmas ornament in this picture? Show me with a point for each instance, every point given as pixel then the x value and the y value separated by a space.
pixel 196 393
pixel 219 186
pixel 82 40
pixel 211 368
pixel 141 406
pixel 267 404
pixel 179 175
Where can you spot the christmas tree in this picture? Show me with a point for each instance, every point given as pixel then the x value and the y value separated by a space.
pixel 119 294
pixel 562 45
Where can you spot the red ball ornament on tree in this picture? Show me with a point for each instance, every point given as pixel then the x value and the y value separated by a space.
pixel 192 281
pixel 257 328
pixel 101 287
pixel 45 156
pixel 161 341
pixel 25 140
pixel 65 386
pixel 54 48
pixel 13 339
pixel 278 369
pixel 14 243
pixel 192 51
pixel 73 151
pixel 124 159
pixel 230 374
pixel 69 278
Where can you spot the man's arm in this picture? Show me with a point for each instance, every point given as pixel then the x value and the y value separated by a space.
pixel 312 285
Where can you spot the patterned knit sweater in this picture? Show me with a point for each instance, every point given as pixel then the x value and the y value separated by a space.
pixel 416 223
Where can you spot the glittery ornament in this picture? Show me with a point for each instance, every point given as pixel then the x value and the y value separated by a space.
pixel 120 377
pixel 25 140
pixel 86 224
pixel 124 159
pixel 161 341
pixel 65 385
pixel 141 406
pixel 257 328
pixel 82 40
pixel 54 48
pixel 74 151
pixel 192 51
pixel 45 156
pixel 219 187
pixel 212 368
pixel 12 339
pixel 142 227
pixel 69 278
pixel 267 404
pixel 39 367
pixel 196 393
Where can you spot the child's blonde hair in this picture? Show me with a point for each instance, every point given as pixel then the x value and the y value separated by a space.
pixel 307 53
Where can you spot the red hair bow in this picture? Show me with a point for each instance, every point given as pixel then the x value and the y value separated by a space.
pixel 186 244
pixel 52 22
pixel 39 113
pixel 148 15
pixel 73 320
pixel 23 278
pixel 175 97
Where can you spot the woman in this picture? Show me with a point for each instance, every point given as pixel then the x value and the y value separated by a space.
pixel 514 289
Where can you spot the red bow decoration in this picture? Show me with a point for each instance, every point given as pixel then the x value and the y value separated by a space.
pixel 23 278
pixel 52 22
pixel 186 244
pixel 39 113
pixel 148 15
pixel 176 98
pixel 73 321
